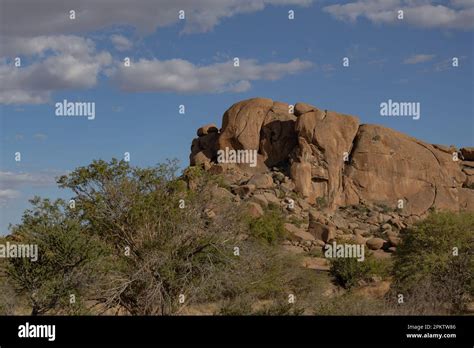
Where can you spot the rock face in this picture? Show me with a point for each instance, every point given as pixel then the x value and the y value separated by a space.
pixel 333 161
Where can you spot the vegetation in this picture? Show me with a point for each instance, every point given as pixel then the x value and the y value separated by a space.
pixel 269 227
pixel 348 272
pixel 144 241
pixel 435 261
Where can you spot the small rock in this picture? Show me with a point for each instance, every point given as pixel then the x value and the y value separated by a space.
pixel 287 186
pixel 293 249
pixel 381 255
pixel 353 225
pixel 321 232
pixel 301 108
pixel 358 239
pixel 394 241
pixel 468 153
pixel 359 232
pixel 244 190
pixel 271 198
pixel 254 209
pixel 259 199
pixel 375 243
pixel 204 130
pixel 261 181
pixel 299 233
pixel 316 263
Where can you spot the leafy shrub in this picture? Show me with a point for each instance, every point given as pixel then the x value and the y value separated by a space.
pixel 295 221
pixel 348 272
pixel 269 227
pixel 67 258
pixel 425 256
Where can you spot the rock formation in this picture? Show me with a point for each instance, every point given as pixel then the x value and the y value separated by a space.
pixel 331 159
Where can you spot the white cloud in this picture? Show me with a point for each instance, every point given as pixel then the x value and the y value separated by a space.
pixel 8 194
pixel 29 18
pixel 11 183
pixel 457 14
pixel 181 76
pixel 13 46
pixel 70 62
pixel 121 43
pixel 63 62
pixel 418 58
pixel 11 180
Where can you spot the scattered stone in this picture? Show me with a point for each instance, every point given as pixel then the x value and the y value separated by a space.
pixel 204 130
pixel 316 263
pixel 259 199
pixel 244 190
pixel 293 249
pixel 271 198
pixel 375 243
pixel 261 181
pixel 299 233
pixel 358 239
pixel 321 232
pixel 302 108
pixel 254 209
pixel 468 153
pixel 353 225
pixel 394 241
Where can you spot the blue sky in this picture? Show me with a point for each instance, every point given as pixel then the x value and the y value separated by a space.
pixel 189 62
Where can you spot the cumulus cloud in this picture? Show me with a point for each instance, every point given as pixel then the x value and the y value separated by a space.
pixel 121 43
pixel 181 76
pixel 62 62
pixel 418 58
pixel 8 194
pixel 29 18
pixel 455 14
pixel 12 180
pixel 11 183
pixel 70 62
pixel 13 46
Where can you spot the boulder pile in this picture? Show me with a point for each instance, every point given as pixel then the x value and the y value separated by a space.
pixel 337 176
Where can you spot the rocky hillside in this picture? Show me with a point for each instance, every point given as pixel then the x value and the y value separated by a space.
pixel 334 175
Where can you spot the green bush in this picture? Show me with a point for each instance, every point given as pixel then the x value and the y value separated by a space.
pixel 298 222
pixel 427 256
pixel 68 258
pixel 269 227
pixel 348 271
